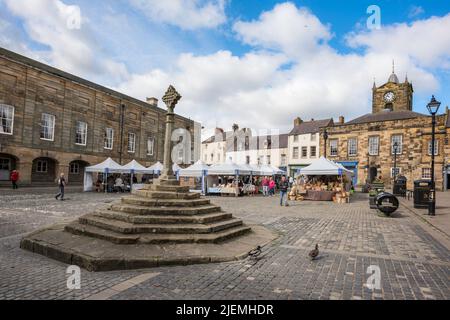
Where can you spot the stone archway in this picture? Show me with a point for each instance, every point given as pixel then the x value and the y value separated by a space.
pixel 76 172
pixel 43 171
pixel 8 162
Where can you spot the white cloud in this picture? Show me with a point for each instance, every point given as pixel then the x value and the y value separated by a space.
pixel 50 22
pixel 291 71
pixel 186 14
pixel 425 42
pixel 295 31
pixel 261 90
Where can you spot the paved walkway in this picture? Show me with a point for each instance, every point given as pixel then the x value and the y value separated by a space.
pixel 413 262
pixel 441 220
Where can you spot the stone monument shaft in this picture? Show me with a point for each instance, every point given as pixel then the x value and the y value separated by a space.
pixel 170 98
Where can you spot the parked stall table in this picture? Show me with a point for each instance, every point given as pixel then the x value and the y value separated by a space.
pixel 319 195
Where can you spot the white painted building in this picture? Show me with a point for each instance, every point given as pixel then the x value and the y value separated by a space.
pixel 214 149
pixel 304 143
pixel 270 150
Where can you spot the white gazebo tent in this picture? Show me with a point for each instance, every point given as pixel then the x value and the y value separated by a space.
pixel 266 170
pixel 135 167
pixel 228 168
pixel 157 168
pixel 197 170
pixel 106 167
pixel 323 166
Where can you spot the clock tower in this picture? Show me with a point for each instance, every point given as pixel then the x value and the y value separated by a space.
pixel 392 95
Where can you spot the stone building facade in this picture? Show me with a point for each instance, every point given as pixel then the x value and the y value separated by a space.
pixel 53 122
pixel 366 144
pixel 303 143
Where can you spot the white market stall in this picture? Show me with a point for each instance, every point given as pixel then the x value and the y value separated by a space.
pixel 225 169
pixel 197 170
pixel 106 167
pixel 327 180
pixel 157 168
pixel 134 167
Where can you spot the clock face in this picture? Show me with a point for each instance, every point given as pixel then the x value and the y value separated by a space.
pixel 389 96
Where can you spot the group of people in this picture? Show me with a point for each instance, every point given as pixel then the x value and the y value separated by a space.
pixel 117 183
pixel 268 186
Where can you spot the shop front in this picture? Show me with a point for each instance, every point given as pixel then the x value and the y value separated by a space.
pixel 352 166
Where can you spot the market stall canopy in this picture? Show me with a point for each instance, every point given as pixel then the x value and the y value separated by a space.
pixel 266 170
pixel 196 170
pixel 157 167
pixel 323 166
pixel 136 167
pixel 277 170
pixel 254 170
pixel 228 168
pixel 107 166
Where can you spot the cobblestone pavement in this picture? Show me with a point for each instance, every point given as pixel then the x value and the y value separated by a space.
pixel 412 263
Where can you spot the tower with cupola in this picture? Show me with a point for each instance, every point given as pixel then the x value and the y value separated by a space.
pixel 393 95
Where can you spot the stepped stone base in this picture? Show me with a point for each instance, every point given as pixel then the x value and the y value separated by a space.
pixel 101 255
pixel 162 224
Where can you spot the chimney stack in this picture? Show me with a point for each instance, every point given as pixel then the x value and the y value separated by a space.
pixel 152 101
pixel 297 121
pixel 341 120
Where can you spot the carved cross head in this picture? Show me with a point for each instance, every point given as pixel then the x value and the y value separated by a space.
pixel 171 98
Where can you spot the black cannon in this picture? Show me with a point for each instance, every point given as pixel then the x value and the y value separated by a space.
pixel 386 203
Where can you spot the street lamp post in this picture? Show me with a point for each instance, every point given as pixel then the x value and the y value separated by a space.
pixel 325 137
pixel 433 107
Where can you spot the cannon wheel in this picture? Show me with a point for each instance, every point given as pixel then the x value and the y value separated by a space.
pixel 381 200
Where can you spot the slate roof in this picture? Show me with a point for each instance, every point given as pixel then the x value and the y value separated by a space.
pixel 311 126
pixel 386 116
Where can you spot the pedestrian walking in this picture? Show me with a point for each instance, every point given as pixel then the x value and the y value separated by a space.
pixel 265 185
pixel 61 185
pixel 284 186
pixel 14 178
pixel 272 187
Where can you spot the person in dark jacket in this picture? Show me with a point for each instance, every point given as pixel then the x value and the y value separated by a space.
pixel 284 186
pixel 61 184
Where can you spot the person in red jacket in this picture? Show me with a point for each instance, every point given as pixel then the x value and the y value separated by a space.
pixel 14 178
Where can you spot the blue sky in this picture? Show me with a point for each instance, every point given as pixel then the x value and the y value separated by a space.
pixel 256 63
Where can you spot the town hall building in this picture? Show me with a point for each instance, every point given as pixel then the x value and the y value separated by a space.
pixel 391 140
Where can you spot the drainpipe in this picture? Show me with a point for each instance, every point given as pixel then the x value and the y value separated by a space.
pixel 122 115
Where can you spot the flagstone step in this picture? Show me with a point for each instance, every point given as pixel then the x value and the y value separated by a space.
pixel 215 237
pixel 118 238
pixel 94 232
pixel 171 188
pixel 130 228
pixel 141 210
pixel 166 194
pixel 141 201
pixel 162 219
